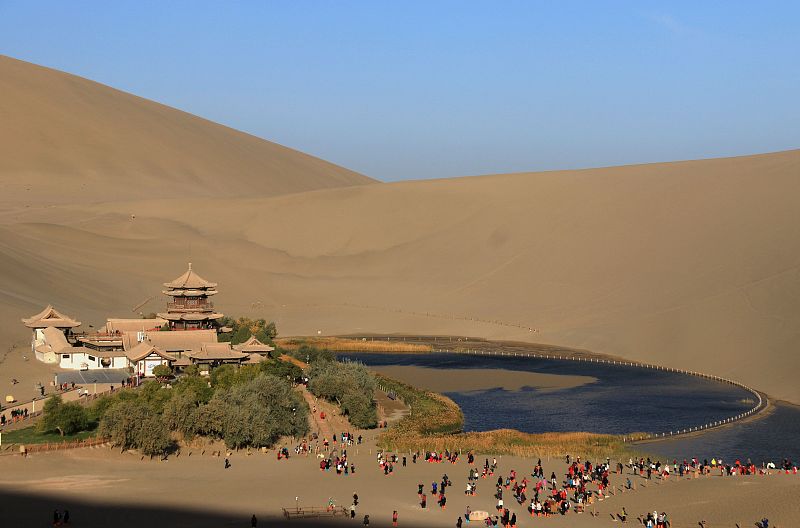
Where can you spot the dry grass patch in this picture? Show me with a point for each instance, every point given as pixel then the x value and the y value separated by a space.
pixel 435 424
pixel 342 344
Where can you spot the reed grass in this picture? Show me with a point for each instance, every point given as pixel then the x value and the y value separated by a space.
pixel 435 423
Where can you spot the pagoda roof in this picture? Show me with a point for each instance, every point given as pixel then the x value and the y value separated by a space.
pixel 144 349
pixel 253 345
pixel 217 351
pixel 174 340
pixel 50 317
pixel 190 280
pixel 255 359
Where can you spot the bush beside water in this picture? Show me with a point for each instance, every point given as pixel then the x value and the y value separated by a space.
pixel 350 385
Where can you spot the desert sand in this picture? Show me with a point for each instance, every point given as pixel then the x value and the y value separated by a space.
pixel 104 196
pixel 102 487
pixel 689 264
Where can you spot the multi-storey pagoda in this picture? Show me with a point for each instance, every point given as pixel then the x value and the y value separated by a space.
pixel 190 308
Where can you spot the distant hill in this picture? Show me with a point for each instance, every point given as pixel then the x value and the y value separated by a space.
pixel 64 138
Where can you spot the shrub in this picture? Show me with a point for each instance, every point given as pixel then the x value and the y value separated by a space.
pixel 153 436
pixel 223 377
pixel 280 369
pixel 360 409
pixel 180 414
pixel 243 328
pixel 311 354
pixel 162 371
pixel 132 424
pixel 195 387
pixel 121 421
pixel 66 418
pixel 255 413
pixel 350 385
pixel 154 395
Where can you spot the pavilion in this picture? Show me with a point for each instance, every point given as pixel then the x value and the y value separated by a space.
pixel 186 334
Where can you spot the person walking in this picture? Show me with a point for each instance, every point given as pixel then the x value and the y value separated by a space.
pixel 227 463
pixel 366 520
pixel 65 517
pixel 253 521
pixel 353 511
pixel 459 522
pixel 394 518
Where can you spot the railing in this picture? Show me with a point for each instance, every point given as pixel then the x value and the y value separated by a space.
pixel 761 400
pixel 314 511
pixel 26 449
pixel 197 307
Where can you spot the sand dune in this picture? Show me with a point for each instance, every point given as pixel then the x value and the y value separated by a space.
pixel 65 139
pixel 692 264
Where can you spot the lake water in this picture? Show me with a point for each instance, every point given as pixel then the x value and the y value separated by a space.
pixel 624 399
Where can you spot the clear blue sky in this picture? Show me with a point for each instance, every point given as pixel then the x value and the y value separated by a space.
pixel 433 88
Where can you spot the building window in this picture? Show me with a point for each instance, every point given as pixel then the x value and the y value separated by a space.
pixel 91 358
pixel 64 356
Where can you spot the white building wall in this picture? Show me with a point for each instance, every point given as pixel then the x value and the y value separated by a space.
pixel 73 361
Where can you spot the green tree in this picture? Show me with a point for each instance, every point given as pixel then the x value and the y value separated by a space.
pixel 223 377
pixel 154 395
pixel 180 414
pixel 152 436
pixel 196 387
pixel 210 418
pixel 162 371
pixel 121 422
pixel 350 385
pixel 254 413
pixel 131 424
pixel 360 409
pixel 66 418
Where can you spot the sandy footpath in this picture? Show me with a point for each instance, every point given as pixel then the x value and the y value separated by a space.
pixel 99 485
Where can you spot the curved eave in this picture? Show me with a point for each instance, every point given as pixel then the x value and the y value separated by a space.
pixel 180 292
pixel 190 316
pixel 53 324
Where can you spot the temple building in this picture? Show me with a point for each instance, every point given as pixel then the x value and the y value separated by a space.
pixel 52 324
pixel 186 334
pixel 190 308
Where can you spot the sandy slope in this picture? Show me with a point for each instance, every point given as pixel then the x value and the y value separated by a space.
pixel 65 138
pixel 102 488
pixel 692 264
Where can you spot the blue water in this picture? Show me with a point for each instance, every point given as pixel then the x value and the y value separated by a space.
pixel 624 399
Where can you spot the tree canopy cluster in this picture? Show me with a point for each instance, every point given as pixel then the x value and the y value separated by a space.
pixel 350 385
pixel 253 405
pixel 244 328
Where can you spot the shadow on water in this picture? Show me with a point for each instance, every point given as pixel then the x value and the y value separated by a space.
pixel 20 510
